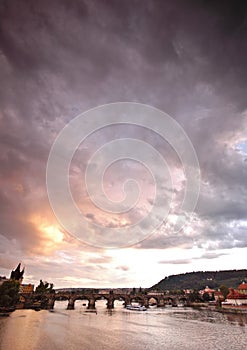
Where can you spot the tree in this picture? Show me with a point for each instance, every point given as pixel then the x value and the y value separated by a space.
pixel 206 296
pixel 9 293
pixel 194 297
pixel 44 287
pixel 224 290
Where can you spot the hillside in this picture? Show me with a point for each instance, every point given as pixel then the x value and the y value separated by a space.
pixel 199 280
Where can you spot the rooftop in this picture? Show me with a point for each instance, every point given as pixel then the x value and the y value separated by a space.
pixel 242 286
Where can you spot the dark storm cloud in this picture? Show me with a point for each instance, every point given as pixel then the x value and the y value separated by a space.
pixel 223 205
pixel 220 235
pixel 59 58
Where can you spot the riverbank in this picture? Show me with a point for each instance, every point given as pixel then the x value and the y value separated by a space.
pixel 234 309
pixel 229 309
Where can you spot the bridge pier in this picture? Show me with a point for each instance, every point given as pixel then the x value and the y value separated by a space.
pixel 71 304
pixel 110 304
pixel 127 301
pixel 146 302
pixel 91 304
pixel 161 303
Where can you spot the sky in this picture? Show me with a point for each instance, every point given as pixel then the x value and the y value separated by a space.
pixel 61 58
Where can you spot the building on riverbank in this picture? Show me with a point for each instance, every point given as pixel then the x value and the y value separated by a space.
pixel 26 288
pixel 208 291
pixel 237 298
pixel 242 288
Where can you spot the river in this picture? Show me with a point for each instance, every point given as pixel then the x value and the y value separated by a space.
pixel 155 329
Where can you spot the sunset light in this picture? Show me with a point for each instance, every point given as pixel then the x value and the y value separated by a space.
pixel 123 174
pixel 52 232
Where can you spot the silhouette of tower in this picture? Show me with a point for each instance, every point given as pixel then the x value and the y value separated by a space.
pixel 17 274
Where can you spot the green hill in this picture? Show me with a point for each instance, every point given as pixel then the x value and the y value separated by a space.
pixel 201 279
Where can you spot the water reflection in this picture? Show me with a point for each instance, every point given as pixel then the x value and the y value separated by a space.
pixel 241 320
pixel 156 329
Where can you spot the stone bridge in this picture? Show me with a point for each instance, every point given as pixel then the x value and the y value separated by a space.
pixel 48 300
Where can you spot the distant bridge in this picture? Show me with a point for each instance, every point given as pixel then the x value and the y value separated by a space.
pixel 48 299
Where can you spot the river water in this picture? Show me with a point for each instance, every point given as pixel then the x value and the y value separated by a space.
pixel 155 329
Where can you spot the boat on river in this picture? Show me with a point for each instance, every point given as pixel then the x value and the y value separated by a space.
pixel 136 307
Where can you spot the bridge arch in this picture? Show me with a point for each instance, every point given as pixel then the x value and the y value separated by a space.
pixel 152 299
pixel 61 297
pixel 183 300
pixel 121 298
pixel 137 298
pixel 59 301
pixel 80 301
pixel 169 300
pixel 104 301
pixel 80 297
pixel 101 297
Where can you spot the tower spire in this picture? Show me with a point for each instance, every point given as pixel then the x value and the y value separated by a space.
pixel 17 274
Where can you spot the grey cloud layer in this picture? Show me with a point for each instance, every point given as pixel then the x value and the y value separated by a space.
pixel 59 58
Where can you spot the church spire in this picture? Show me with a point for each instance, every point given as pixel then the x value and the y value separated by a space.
pixel 17 274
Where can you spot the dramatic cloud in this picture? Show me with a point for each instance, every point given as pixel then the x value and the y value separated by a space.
pixel 59 58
